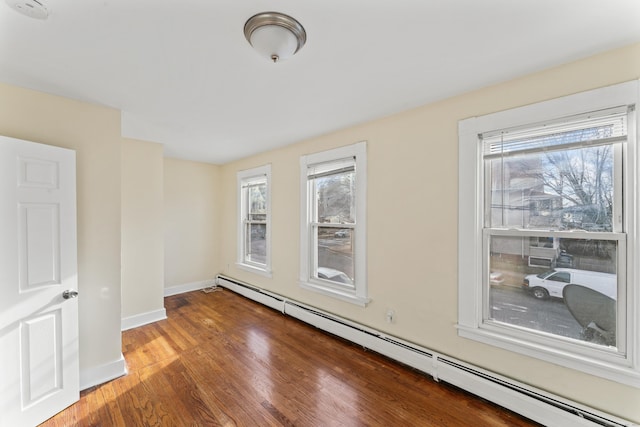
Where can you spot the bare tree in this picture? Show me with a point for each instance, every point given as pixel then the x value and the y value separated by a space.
pixel 584 178
pixel 335 197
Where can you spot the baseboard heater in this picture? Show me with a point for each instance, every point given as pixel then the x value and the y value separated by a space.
pixel 535 404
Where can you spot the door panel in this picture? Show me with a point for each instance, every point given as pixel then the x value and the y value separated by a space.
pixel 38 245
pixel 37 173
pixel 41 349
pixel 39 373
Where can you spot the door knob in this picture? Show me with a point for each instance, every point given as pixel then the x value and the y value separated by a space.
pixel 69 294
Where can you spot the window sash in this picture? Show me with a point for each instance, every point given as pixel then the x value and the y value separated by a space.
pixel 617 218
pixel 564 134
pixel 246 189
pixel 621 289
pixel 327 169
pixel 322 170
pixel 514 143
pixel 248 253
pixel 315 251
pixel 247 221
pixel 249 216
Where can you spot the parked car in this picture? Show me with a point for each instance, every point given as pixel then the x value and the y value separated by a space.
pixel 564 260
pixel 496 278
pixel 334 275
pixel 342 233
pixel 552 282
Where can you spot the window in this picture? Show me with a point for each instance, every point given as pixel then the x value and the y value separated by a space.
pixel 547 203
pixel 254 229
pixel 333 229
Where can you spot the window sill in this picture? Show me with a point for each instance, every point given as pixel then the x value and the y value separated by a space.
pixel 256 270
pixel 563 354
pixel 336 293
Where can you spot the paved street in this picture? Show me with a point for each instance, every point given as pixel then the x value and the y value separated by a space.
pixel 516 306
pixel 335 252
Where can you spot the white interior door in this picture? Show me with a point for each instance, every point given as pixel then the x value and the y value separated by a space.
pixel 39 373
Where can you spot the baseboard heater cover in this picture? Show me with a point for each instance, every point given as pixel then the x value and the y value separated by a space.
pixel 537 405
pixel 264 297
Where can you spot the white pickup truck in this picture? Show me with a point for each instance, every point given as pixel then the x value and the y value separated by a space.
pixel 552 282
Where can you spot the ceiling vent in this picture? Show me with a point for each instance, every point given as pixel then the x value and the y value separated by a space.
pixel 31 8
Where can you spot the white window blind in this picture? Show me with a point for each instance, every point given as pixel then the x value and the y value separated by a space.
pixel 320 170
pixel 254 182
pixel 599 128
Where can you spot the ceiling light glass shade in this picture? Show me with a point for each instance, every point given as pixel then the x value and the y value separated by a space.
pixel 272 41
pixel 274 35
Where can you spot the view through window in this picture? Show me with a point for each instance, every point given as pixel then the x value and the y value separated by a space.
pixel 253 225
pixel 554 227
pixel 334 220
pixel 256 221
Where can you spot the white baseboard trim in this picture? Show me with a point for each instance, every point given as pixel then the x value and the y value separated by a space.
pixel 101 374
pixel 188 287
pixel 143 319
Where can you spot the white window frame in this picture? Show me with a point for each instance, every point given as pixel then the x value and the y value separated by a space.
pixel 358 295
pixel 244 177
pixel 623 368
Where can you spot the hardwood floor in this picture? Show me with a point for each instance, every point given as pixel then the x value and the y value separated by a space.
pixel 223 360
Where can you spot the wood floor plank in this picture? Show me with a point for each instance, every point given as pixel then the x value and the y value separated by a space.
pixel 223 360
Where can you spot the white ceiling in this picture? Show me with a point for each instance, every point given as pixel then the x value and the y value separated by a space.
pixel 183 74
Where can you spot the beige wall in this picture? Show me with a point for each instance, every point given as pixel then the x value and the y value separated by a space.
pixel 412 224
pixel 191 221
pixel 142 230
pixel 94 132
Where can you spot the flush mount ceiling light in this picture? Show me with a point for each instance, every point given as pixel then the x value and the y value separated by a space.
pixel 275 35
pixel 32 8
